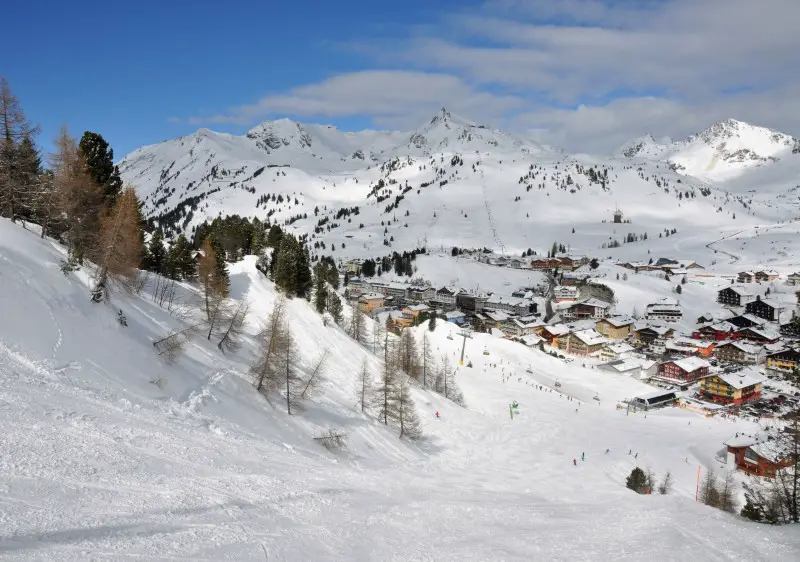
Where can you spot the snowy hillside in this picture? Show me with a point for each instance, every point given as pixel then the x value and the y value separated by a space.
pixel 722 151
pixel 108 452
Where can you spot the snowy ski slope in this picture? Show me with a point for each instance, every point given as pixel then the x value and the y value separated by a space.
pixel 97 462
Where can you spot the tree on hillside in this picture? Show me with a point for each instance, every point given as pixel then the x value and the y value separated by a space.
pixel 315 377
pixel 407 355
pixel 378 336
pixel 180 258
pixel 79 197
pixel 637 481
pixel 18 155
pixel 118 249
pixel 320 289
pixel 99 160
pixel 432 322
pixel 364 386
pixel 213 285
pixel 709 490
pixel 335 307
pixel 385 389
pixel 290 380
pixel 403 409
pixel 155 257
pixel 358 326
pixel 272 337
pixel 232 332
pixel 426 356
pixel 274 237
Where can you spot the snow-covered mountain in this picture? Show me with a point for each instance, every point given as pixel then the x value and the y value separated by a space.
pixel 720 152
pixel 452 182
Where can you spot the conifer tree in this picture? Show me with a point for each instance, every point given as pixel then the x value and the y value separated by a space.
pixel 404 411
pixel 99 160
pixel 320 288
pixel 335 307
pixel 156 254
pixel 364 386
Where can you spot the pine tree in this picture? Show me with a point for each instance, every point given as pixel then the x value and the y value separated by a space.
pixel 181 260
pixel 99 160
pixel 709 490
pixel 118 250
pixel 275 237
pixel 320 290
pixel 432 322
pixel 303 281
pixel 335 307
pixel 156 253
pixel 288 259
pixel 637 481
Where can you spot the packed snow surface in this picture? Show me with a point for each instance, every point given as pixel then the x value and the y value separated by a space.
pixel 98 462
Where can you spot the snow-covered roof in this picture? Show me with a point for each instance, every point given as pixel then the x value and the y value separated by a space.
pixel 590 337
pixel 619 321
pixel 596 303
pixel 507 300
pixel 557 330
pixel 763 332
pixel 666 304
pixel 496 315
pixel 774 304
pixel 659 329
pixel 532 340
pixel 742 379
pixel 746 347
pixel 526 323
pixel 721 327
pixel 418 307
pixel 371 296
pixel 619 347
pixel 454 314
pixel 690 364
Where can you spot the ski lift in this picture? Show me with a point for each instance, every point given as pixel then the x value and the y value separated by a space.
pixel 485 351
pixel 597 396
pixel 529 370
pixel 558 384
pixel 449 336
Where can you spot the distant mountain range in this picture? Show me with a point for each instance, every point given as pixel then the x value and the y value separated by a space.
pixel 453 182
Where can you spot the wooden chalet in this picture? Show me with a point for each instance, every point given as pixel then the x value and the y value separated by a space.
pixel 591 308
pixel 766 275
pixel 759 335
pixel 739 352
pixel 683 371
pixel 746 277
pixel 756 457
pixel 583 342
pixel 647 333
pixel 716 332
pixel 766 309
pixel 785 361
pixel 732 388
pixel 545 264
pixel 735 296
pixel 616 327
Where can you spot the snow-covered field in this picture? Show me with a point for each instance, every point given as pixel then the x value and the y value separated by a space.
pixel 99 463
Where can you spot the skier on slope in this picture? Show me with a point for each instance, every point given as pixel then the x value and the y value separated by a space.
pixel 437 414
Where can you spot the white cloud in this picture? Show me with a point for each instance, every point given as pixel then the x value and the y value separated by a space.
pixel 586 74
pixel 393 97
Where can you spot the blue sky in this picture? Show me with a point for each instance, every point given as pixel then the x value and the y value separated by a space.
pixel 584 74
